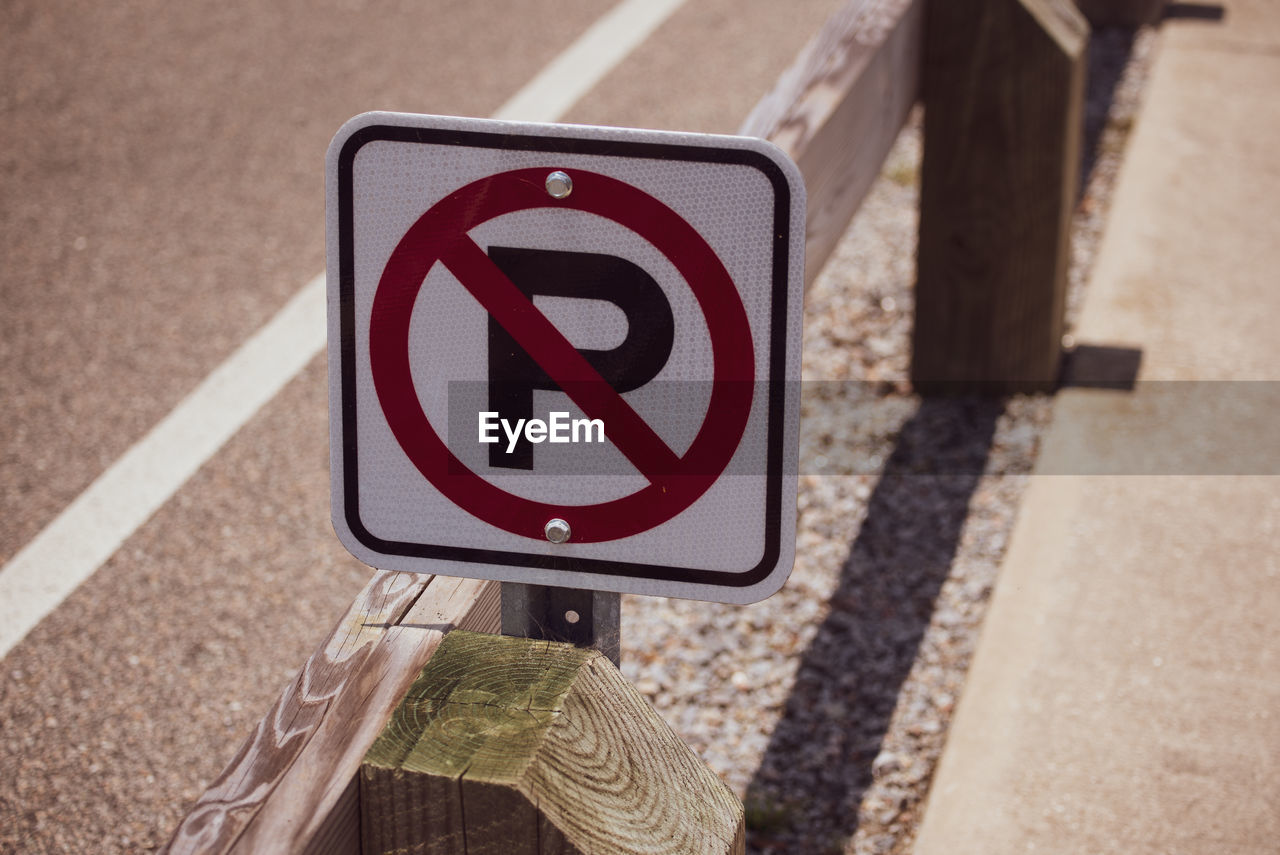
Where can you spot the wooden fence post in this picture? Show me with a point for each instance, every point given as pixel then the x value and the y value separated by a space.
pixel 512 746
pixel 1003 92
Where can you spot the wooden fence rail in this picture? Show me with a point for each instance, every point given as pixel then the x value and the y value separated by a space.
pixel 837 110
pixel 292 787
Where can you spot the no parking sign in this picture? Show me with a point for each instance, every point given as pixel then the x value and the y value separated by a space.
pixel 560 355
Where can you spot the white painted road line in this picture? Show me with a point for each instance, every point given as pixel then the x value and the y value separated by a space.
pixel 90 529
pixel 582 65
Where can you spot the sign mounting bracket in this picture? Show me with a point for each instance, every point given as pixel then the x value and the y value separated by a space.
pixel 581 617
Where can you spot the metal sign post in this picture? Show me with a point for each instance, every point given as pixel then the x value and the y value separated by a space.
pixel 584 618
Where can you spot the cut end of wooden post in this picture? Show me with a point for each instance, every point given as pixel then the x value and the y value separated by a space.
pixel 510 745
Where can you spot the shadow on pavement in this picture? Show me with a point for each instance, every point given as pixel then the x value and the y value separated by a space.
pixel 1109 51
pixel 1195 11
pixel 818 762
pixel 1097 366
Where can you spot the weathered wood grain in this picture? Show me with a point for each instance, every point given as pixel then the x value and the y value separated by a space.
pixel 514 746
pixel 837 110
pixel 220 815
pixel 457 604
pixel 1003 93
pixel 288 788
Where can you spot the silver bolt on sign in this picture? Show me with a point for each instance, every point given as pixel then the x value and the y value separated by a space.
pixel 559 185
pixel 557 530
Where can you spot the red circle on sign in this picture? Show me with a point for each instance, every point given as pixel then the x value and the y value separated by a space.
pixel 440 235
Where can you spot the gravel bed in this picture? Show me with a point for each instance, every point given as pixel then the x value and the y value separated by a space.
pixel 826 706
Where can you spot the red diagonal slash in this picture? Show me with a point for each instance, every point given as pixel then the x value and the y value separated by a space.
pixel 563 363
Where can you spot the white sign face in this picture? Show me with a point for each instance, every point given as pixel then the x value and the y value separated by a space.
pixel 565 355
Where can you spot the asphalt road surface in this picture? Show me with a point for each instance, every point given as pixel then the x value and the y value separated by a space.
pixel 161 198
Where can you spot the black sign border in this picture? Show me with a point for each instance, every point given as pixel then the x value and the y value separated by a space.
pixel 564 145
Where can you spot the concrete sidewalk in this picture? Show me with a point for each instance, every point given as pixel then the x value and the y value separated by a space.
pixel 1125 696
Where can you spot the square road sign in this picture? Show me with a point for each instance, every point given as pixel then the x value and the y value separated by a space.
pixel 565 355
